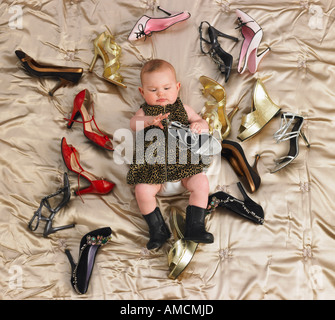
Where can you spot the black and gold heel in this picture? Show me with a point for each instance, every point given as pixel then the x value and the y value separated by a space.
pixel 66 75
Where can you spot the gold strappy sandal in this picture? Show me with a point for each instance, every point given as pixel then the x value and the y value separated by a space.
pixel 215 111
pixel 105 46
pixel 262 111
pixel 183 250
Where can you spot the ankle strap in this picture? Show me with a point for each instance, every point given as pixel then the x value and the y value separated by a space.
pixel 241 23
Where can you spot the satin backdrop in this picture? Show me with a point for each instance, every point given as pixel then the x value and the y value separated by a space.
pixel 291 256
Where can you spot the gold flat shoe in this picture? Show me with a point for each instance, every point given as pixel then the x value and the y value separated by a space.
pixel 182 251
pixel 109 51
pixel 262 111
pixel 215 111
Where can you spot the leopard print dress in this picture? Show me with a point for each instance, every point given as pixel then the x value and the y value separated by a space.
pixel 156 159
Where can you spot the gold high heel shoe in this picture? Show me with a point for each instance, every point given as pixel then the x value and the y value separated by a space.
pixel 215 111
pixel 181 253
pixel 105 46
pixel 262 111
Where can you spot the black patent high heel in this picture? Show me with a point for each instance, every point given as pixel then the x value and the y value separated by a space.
pixel 248 208
pixel 48 229
pixel 65 75
pixel 223 59
pixel 89 245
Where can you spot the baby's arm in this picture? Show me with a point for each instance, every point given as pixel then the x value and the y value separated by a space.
pixel 146 120
pixel 197 124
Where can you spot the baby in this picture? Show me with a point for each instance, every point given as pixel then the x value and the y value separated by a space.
pixel 160 91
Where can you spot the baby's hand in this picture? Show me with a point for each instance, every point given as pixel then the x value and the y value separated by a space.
pixel 156 121
pixel 196 127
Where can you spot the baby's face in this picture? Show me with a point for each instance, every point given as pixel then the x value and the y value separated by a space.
pixel 160 87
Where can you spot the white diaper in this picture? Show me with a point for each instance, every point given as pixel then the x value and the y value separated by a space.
pixel 171 189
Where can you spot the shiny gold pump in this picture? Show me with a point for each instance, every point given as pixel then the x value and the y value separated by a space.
pixel 262 111
pixel 109 51
pixel 215 111
pixel 183 250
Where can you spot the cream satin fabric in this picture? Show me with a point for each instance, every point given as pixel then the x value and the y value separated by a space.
pixel 291 256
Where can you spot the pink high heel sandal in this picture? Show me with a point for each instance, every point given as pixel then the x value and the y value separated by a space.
pixel 146 25
pixel 252 34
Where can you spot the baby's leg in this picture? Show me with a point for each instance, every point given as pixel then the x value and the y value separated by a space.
pixel 195 230
pixel 146 197
pixel 198 186
pixel 146 200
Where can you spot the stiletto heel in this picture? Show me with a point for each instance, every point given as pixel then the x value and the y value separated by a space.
pixel 262 111
pixel 293 122
pixel 61 83
pixel 216 109
pixel 90 243
pixel 81 106
pixel 110 52
pixel 254 166
pixel 305 139
pixel 248 208
pixel 94 60
pixel 146 25
pixel 223 59
pixel 48 229
pixel 66 75
pixel 234 154
pixel 252 34
pixel 71 160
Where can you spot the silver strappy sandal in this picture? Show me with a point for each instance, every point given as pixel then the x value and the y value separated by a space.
pixel 290 129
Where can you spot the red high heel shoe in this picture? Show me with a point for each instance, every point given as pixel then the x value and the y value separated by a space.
pixel 71 159
pixel 81 106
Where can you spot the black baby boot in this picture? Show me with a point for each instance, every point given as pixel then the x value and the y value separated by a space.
pixel 195 225
pixel 158 230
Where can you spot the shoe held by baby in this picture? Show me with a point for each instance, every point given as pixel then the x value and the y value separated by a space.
pixel 201 144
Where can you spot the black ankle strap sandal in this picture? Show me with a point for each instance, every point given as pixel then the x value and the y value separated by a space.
pixel 223 59
pixel 248 208
pixel 37 217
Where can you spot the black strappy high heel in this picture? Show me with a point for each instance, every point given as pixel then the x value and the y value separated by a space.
pixel 48 229
pixel 64 74
pixel 222 58
pixel 89 245
pixel 248 208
